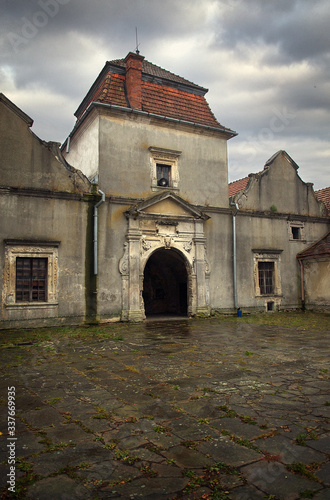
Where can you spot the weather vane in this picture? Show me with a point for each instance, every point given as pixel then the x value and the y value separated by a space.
pixel 137 44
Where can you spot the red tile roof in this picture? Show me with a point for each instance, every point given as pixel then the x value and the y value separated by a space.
pixel 112 90
pixel 163 93
pixel 237 186
pixel 318 249
pixel 324 195
pixel 151 69
pixel 175 103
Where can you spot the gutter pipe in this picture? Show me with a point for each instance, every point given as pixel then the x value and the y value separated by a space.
pixel 233 204
pixel 302 279
pixel 95 241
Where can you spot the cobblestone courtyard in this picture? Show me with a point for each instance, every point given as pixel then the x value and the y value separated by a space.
pixel 192 409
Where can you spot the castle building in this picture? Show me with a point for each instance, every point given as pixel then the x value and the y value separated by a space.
pixel 133 216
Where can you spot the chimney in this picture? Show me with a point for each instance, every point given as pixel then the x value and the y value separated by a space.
pixel 134 79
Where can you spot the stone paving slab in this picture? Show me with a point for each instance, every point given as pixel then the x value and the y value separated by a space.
pixel 274 479
pixel 172 410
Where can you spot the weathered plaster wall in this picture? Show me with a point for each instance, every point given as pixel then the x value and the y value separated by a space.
pixel 47 220
pixel 316 281
pixel 218 231
pixel 125 168
pixel 279 186
pixel 44 212
pixel 28 162
pixel 83 147
pixel 262 233
pixel 113 229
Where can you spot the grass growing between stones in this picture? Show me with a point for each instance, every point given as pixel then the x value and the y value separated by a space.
pixel 163 403
pixel 213 478
pixel 296 319
pixel 305 470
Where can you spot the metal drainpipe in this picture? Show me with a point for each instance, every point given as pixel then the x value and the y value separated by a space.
pixel 302 278
pixel 233 204
pixel 102 200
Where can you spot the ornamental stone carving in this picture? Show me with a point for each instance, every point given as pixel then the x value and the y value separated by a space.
pixel 188 246
pixel 167 241
pixel 123 263
pixel 146 245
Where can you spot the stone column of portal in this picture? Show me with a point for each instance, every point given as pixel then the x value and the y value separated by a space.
pixel 200 242
pixel 134 303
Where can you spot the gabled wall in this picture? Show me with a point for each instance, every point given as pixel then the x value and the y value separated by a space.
pixel 275 201
pixel 44 206
pixel 278 188
pixel 29 162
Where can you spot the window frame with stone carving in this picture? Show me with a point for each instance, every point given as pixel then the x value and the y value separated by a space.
pixel 267 256
pixel 166 158
pixel 23 249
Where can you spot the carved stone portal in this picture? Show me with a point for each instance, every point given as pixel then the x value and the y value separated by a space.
pixel 164 222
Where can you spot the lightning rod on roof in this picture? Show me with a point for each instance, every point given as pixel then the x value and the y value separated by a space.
pixel 137 44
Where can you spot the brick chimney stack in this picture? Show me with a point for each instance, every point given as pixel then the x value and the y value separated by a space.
pixel 134 79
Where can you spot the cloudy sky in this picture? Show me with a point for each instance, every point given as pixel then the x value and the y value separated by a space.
pixel 266 64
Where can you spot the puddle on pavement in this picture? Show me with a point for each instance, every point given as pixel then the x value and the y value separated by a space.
pixel 168 330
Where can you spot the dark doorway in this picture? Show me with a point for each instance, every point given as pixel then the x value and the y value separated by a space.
pixel 165 284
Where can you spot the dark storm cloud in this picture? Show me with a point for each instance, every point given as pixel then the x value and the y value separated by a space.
pixel 48 33
pixel 266 63
pixel 112 20
pixel 299 29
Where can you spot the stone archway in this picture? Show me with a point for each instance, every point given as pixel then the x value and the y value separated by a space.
pixel 165 284
pixel 170 232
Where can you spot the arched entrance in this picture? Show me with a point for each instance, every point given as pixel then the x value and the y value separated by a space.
pixel 165 284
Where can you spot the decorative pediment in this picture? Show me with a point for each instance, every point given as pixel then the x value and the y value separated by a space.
pixel 166 205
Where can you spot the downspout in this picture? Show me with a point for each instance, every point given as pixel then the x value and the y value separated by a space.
pixel 102 200
pixel 302 279
pixel 233 204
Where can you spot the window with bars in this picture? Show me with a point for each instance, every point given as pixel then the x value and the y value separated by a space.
pixel 266 277
pixel 31 279
pixel 163 175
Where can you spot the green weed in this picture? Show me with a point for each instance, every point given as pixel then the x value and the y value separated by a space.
pixel 124 456
pixel 304 470
pixel 160 429
pixel 53 401
pixel 191 445
pixel 148 471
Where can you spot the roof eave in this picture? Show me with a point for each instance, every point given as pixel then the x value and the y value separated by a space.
pixel 94 104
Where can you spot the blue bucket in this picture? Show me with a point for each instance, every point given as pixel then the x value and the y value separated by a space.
pixel 239 313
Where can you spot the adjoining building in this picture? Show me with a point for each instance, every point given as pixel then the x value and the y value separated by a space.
pixel 136 210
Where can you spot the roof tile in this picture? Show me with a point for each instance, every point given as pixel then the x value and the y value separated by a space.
pixel 163 93
pixel 151 69
pixel 318 249
pixel 237 186
pixel 324 195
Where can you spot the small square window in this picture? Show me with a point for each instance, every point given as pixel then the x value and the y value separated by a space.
pixel 163 175
pixel 296 233
pixel 164 170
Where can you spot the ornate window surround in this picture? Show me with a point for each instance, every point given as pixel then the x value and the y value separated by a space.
pixel 267 256
pixel 168 157
pixel 32 249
